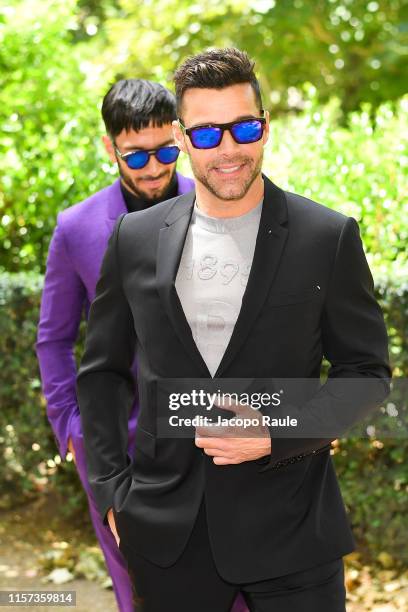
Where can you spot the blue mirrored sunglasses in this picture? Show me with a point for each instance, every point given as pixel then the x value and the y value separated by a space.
pixel 139 159
pixel 210 136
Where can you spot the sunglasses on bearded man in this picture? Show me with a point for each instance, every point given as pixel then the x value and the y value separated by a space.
pixel 136 160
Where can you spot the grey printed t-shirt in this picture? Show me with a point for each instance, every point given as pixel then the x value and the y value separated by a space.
pixel 212 276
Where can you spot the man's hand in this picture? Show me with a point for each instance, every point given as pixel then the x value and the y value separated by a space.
pixel 112 525
pixel 227 451
pixel 235 444
pixel 71 448
pixel 111 519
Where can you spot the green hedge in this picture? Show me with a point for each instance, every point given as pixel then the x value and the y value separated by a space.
pixel 372 473
pixel 31 464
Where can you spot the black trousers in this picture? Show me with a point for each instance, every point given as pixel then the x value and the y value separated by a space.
pixel 193 584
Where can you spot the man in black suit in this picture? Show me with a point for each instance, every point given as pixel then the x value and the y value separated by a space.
pixel 237 280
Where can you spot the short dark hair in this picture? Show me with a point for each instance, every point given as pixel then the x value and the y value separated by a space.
pixel 135 104
pixel 216 69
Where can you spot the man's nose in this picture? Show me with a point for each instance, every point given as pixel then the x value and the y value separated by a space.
pixel 153 167
pixel 228 144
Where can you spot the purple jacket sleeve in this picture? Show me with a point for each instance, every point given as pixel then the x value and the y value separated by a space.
pixel 60 315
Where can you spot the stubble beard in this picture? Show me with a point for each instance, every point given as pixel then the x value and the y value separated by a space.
pixel 234 191
pixel 149 197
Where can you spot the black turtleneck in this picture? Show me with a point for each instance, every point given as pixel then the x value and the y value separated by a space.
pixel 134 202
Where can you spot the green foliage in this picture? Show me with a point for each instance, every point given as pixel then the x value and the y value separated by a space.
pixel 30 460
pixel 354 49
pixel 49 127
pixel 373 473
pixel 374 484
pixel 56 64
pixel 360 171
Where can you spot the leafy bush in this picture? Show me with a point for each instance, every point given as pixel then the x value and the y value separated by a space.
pixel 50 93
pixel 360 171
pixel 373 473
pixel 30 460
pixel 49 128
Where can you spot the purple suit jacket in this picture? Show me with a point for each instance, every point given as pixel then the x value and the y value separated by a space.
pixel 74 259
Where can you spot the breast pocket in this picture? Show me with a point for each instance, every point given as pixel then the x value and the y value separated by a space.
pixel 294 297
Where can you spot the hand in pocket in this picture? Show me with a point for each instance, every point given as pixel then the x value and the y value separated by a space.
pixel 112 525
pixel 71 448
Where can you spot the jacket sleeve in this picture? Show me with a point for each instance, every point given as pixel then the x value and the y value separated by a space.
pixel 355 342
pixel 61 307
pixel 105 383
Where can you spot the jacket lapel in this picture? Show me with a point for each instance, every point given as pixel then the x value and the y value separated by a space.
pixel 169 251
pixel 269 246
pixel 116 202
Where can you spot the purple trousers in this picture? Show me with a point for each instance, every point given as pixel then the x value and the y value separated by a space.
pixel 115 562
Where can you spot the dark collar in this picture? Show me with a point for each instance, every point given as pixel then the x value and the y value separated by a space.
pixel 274 211
pixel 134 202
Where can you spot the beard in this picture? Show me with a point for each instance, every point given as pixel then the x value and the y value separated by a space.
pixel 221 187
pixel 151 196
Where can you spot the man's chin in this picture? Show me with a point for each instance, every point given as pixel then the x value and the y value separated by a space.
pixel 229 192
pixel 150 195
pixel 154 195
pixel 231 188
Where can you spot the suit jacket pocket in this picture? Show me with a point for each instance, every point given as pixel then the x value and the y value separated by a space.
pixel 145 442
pixel 293 297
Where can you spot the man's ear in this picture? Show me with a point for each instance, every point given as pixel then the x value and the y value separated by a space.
pixel 109 148
pixel 266 129
pixel 179 136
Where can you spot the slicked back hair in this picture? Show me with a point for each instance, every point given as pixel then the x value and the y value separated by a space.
pixel 136 104
pixel 216 69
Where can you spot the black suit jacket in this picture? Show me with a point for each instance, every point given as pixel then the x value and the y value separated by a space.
pixel 263 522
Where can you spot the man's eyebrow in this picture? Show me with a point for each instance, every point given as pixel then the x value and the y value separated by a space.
pixel 133 148
pixel 239 118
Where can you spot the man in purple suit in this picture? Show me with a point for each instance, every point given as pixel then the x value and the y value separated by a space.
pixel 137 115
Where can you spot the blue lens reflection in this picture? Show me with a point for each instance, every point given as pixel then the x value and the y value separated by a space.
pixel 167 155
pixel 137 160
pixel 206 138
pixel 247 131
